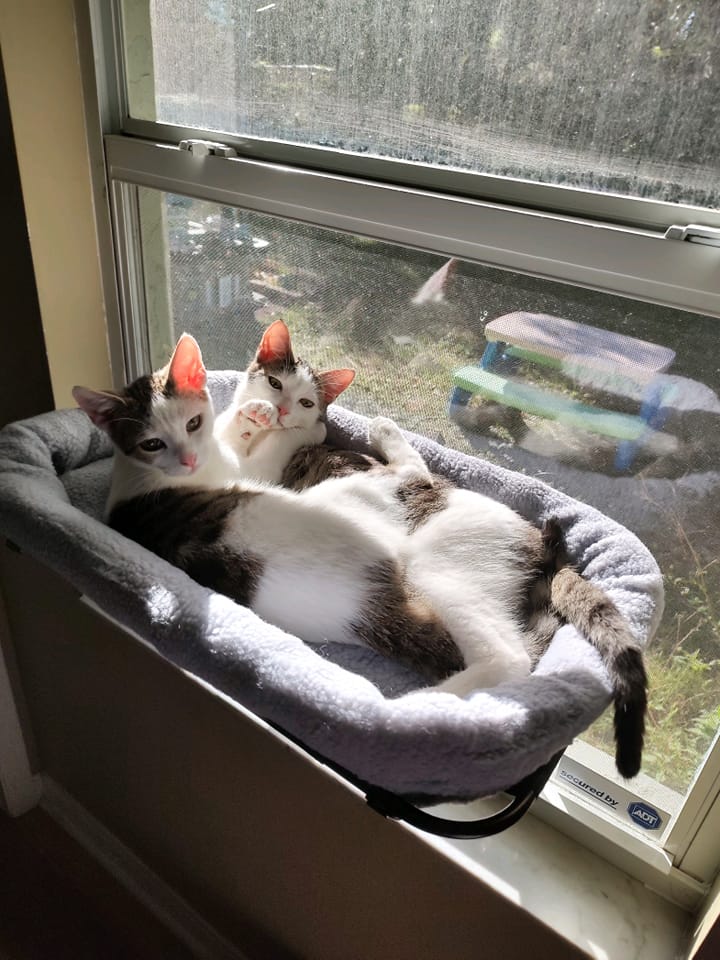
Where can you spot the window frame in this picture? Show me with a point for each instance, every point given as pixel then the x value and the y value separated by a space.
pixel 600 241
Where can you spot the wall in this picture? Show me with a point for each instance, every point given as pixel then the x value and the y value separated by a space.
pixel 25 382
pixel 44 84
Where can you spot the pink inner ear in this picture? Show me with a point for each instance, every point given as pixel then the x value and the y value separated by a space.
pixel 187 371
pixel 275 344
pixel 333 382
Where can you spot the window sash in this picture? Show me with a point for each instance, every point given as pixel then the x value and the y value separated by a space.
pixel 606 207
pixel 605 242
pixel 642 264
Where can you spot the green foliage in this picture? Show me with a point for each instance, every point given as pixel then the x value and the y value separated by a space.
pixel 683 718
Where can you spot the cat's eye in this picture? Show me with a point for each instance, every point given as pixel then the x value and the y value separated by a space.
pixel 152 445
pixel 306 403
pixel 194 423
pixel 275 383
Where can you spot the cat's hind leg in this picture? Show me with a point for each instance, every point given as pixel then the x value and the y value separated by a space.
pixel 503 665
pixel 467 580
pixel 402 458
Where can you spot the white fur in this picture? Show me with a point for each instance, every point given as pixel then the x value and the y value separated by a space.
pixel 463 561
pixel 316 547
pixel 314 553
pixel 264 439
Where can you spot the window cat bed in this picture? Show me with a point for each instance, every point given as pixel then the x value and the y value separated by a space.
pixel 345 704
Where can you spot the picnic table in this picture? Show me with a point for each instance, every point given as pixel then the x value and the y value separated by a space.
pixel 612 362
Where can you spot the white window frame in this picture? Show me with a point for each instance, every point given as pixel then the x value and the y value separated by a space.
pixel 603 242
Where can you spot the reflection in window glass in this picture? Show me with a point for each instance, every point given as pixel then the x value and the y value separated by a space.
pixel 620 97
pixel 613 401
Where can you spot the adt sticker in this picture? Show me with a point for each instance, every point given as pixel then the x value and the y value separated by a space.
pixel 644 816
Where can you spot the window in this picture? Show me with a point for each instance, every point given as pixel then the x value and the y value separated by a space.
pixel 453 197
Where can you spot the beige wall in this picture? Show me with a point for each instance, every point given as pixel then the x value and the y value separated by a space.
pixel 44 84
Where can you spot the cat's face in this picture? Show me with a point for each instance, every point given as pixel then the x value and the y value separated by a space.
pixel 163 421
pixel 174 435
pixel 300 394
pixel 292 388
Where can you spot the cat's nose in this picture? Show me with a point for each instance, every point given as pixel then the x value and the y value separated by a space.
pixel 282 411
pixel 188 459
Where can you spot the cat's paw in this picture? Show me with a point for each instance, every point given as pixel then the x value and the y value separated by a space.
pixel 262 413
pixel 481 676
pixel 384 435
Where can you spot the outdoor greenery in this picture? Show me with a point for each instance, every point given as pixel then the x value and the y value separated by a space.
pixel 591 94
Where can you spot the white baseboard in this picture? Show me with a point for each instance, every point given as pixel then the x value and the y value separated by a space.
pixel 147 887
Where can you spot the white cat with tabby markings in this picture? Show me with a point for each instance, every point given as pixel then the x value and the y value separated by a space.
pixel 162 429
pixel 394 558
pixel 278 407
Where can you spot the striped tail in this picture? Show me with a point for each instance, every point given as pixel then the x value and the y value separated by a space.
pixel 591 611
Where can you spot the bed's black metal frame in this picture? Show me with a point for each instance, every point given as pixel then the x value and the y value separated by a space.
pixel 395 807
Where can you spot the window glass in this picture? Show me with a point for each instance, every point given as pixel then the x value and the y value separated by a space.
pixel 611 400
pixel 620 97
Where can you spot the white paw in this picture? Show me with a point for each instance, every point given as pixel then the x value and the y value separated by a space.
pixel 384 435
pixel 481 676
pixel 260 412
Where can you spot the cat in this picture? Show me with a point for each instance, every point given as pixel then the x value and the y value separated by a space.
pixel 393 558
pixel 162 429
pixel 278 407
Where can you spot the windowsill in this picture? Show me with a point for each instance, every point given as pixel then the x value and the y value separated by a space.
pixel 598 907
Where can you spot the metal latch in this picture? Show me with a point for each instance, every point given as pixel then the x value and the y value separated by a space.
pixel 695 233
pixel 207 148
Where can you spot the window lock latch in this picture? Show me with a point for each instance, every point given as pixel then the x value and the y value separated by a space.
pixel 695 233
pixel 207 148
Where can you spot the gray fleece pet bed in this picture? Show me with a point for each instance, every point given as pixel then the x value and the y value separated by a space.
pixel 348 704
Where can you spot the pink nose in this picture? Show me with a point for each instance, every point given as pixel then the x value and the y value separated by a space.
pixel 188 459
pixel 282 411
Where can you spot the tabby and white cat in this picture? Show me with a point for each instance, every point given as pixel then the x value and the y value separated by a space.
pixel 278 407
pixel 394 558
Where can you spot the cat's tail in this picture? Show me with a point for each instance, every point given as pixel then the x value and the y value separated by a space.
pixel 593 613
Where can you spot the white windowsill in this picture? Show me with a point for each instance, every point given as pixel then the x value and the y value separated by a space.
pixel 596 906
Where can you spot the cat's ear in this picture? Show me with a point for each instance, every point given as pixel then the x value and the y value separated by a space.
pixel 186 371
pixel 333 382
pixel 99 406
pixel 275 345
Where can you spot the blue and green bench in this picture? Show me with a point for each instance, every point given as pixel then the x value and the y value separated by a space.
pixel 617 363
